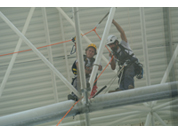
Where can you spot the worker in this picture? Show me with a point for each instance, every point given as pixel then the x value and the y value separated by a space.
pixel 89 59
pixel 126 59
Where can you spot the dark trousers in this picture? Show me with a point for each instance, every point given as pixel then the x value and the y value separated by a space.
pixel 127 77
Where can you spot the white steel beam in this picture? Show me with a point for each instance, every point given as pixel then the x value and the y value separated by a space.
pixel 81 60
pixel 38 115
pixel 145 47
pixel 171 63
pixel 101 46
pixel 53 76
pixel 64 46
pixel 101 102
pixel 16 49
pixel 37 52
pixel 165 104
pixel 148 119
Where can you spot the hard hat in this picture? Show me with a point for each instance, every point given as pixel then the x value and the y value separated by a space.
pixel 111 39
pixel 92 45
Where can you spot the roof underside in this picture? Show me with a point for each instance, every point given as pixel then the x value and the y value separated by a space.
pixel 32 84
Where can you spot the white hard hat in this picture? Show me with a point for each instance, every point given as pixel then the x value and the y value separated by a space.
pixel 111 39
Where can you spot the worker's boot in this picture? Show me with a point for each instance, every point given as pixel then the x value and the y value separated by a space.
pixel 72 97
pixel 116 90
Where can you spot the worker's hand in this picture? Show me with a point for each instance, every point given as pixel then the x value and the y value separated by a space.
pixel 110 54
pixel 88 70
pixel 100 67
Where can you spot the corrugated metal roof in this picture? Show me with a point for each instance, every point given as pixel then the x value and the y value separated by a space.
pixel 30 82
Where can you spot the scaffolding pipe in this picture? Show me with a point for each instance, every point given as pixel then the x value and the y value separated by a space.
pixel 16 49
pixel 101 46
pixel 81 61
pixel 101 102
pixel 38 115
pixel 37 52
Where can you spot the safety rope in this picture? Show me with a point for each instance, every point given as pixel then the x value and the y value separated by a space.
pixel 100 75
pixel 68 111
pixel 37 48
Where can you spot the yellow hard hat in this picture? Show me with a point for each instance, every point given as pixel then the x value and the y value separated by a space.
pixel 92 45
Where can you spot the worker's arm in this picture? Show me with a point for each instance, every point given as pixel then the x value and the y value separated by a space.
pixel 113 63
pixel 119 28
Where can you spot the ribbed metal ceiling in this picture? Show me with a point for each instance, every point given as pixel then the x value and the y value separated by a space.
pixel 31 84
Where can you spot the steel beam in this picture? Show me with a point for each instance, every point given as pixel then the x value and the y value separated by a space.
pixel 101 46
pixel 148 119
pixel 53 76
pixel 64 46
pixel 101 102
pixel 171 63
pixel 145 47
pixel 81 69
pixel 37 52
pixel 16 49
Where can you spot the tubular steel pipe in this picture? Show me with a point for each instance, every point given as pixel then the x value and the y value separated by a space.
pixel 81 61
pixel 101 46
pixel 101 102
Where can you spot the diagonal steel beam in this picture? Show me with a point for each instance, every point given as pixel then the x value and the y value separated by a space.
pixel 101 46
pixel 81 69
pixel 65 48
pixel 37 52
pixel 16 49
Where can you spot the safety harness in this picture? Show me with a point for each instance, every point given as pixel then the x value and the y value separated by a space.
pixel 88 63
pixel 123 57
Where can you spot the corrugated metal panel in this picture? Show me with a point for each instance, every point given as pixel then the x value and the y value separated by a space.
pixel 30 82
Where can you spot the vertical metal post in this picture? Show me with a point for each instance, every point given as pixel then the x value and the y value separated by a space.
pixel 37 52
pixel 102 44
pixel 173 71
pixel 145 47
pixel 50 53
pixel 16 49
pixel 65 48
pixel 80 60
